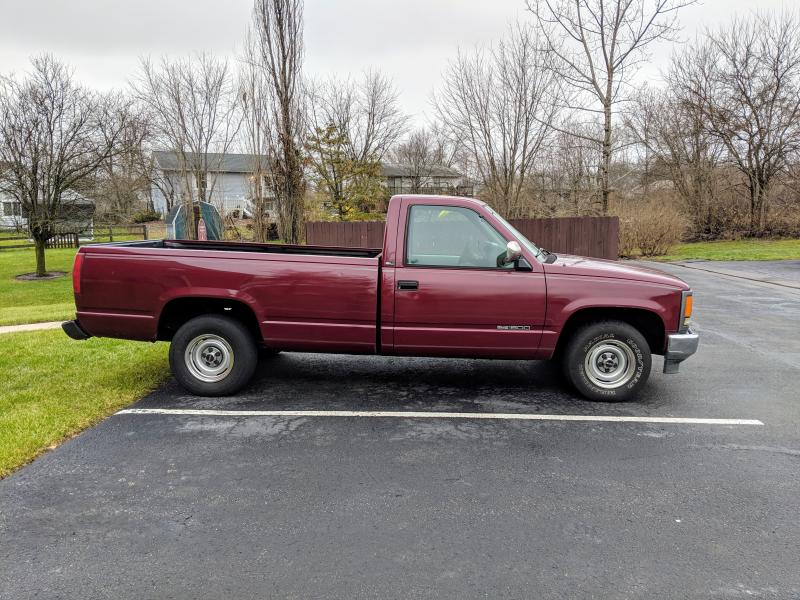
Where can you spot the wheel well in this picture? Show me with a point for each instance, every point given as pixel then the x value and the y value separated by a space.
pixel 177 312
pixel 648 323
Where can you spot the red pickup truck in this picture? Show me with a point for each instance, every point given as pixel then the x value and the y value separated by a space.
pixel 453 279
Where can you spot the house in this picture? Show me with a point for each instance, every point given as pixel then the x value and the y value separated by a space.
pixel 77 214
pixel 429 179
pixel 11 213
pixel 230 181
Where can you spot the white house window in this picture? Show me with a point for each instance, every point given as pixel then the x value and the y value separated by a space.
pixel 12 209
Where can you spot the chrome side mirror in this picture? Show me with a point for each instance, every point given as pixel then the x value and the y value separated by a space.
pixel 513 252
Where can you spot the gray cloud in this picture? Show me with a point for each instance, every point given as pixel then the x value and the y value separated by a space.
pixel 412 41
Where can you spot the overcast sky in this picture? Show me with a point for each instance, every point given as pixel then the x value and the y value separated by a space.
pixel 410 40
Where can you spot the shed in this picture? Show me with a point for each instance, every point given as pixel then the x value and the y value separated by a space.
pixel 176 221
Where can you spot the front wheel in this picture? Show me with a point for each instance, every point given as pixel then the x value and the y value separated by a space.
pixel 608 360
pixel 213 356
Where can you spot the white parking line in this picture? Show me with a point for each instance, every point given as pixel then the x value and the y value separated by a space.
pixel 432 415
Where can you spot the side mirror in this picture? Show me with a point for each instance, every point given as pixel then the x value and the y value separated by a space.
pixel 513 252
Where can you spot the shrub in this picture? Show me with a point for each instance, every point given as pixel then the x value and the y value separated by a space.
pixel 627 238
pixel 649 228
pixel 145 216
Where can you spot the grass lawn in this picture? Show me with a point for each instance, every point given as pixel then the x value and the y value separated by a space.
pixel 35 301
pixel 54 387
pixel 747 249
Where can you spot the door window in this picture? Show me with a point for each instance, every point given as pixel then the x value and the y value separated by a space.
pixel 450 236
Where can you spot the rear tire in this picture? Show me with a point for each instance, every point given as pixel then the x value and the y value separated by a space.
pixel 607 361
pixel 213 356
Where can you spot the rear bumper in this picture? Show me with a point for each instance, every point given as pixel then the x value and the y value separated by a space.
pixel 74 330
pixel 680 346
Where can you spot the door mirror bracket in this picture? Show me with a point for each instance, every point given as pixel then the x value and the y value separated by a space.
pixel 513 252
pixel 521 264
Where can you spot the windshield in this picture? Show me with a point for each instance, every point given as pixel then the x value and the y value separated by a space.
pixel 533 248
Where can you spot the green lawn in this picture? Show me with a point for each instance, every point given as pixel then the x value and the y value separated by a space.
pixel 54 387
pixel 746 249
pixel 35 301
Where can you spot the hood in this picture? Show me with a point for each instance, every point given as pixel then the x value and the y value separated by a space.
pixel 596 267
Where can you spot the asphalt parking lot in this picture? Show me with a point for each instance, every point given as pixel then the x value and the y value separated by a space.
pixel 249 506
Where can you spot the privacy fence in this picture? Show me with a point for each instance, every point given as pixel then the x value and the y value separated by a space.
pixel 584 236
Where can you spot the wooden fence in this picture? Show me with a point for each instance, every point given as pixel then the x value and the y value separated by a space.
pixel 64 240
pixel 584 236
pixel 98 234
pixel 351 234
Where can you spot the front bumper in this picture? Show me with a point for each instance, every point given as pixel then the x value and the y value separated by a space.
pixel 74 330
pixel 680 346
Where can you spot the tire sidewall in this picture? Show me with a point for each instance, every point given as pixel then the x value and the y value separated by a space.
pixel 589 336
pixel 245 355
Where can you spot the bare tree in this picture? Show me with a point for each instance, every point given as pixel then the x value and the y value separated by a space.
pixel 745 81
pixel 255 97
pixel 422 152
pixel 570 178
pixel 352 126
pixel 279 27
pixel 54 136
pixel 417 154
pixel 598 45
pixel 124 178
pixel 676 134
pixel 192 105
pixel 376 121
pixel 366 111
pixel 446 150
pixel 497 102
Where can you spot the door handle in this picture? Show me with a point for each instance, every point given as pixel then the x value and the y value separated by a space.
pixel 407 285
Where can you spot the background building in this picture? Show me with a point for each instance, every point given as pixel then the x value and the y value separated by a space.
pixel 230 181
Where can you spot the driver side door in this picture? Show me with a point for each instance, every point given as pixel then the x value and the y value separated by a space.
pixel 452 299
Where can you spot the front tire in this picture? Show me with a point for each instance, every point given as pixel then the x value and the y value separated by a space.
pixel 213 355
pixel 607 361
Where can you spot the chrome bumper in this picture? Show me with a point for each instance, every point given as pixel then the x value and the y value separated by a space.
pixel 680 346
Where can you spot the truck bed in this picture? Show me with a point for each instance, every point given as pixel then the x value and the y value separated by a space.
pixel 298 297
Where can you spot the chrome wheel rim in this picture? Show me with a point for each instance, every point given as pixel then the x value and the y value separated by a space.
pixel 209 358
pixel 610 364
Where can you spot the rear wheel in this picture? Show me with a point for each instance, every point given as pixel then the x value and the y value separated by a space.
pixel 213 356
pixel 608 360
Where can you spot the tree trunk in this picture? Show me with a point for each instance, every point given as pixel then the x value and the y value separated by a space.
pixel 41 267
pixel 605 168
pixel 757 193
pixel 290 205
pixel 187 199
pixel 259 218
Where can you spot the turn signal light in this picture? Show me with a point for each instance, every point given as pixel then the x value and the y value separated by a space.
pixel 687 310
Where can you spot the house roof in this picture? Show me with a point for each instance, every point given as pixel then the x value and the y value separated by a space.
pixel 167 160
pixel 246 163
pixel 399 170
pixel 76 199
pixel 70 197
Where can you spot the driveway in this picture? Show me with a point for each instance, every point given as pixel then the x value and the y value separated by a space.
pixel 212 503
